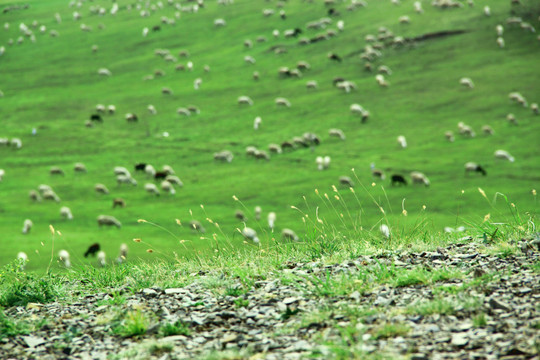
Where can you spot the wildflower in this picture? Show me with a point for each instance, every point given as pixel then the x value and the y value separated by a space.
pixel 149 251
pixel 52 229
pixel 336 197
pixel 334 188
pixel 178 222
pixel 137 240
pixel 141 221
pixel 235 198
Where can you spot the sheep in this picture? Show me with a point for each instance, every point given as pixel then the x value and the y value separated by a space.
pixel 396 179
pixel 101 189
pixel 346 86
pixel 245 100
pixel 487 130
pixel 107 220
pixel 220 22
pixel 101 259
pixel 250 234
pixel 166 91
pixel 183 111
pixel 260 154
pixel 197 83
pixel 500 42
pixel 92 250
pixel 383 69
pixel 340 25
pixel 50 195
pixel 334 57
pixel 111 109
pixel 43 188
pixel 312 84
pixel 356 109
pixel 65 212
pixel 257 123
pixel 130 117
pixel 379 78
pixel 22 259
pixel 404 19
pixel 418 7
pixel 449 135
pixel 500 30
pixel 504 155
pixel 16 143
pixel 239 214
pixel 378 173
pixel 466 82
pixel 487 10
pixel 79 167
pixel 275 148
pixel 466 130
pixel 149 170
pixel 151 189
pixel 280 101
pixel 347 181
pixel 290 235
pixel 160 175
pixel 27 226
pixel 419 178
pixel 249 59
pixel 511 119
pixel 2 173
pixel 385 230
pixel 258 212
pixel 104 72
pixel 517 97
pixel 256 75
pixel 34 196
pixel 197 226
pixel 151 109
pixel 120 170
pixel 248 43
pixel 119 202
pixel 124 249
pixel 63 257
pixel 224 155
pixel 402 141
pixel 167 187
pixel 322 162
pixel 123 179
pixel 271 220
pixel 474 167
pixel 337 133
pixel 534 108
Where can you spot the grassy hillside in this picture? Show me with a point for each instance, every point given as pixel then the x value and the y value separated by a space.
pixel 52 85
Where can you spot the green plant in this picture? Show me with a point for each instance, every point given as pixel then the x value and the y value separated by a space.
pixel 135 323
pixel 479 320
pixel 390 330
pixel 19 288
pixel 159 350
pixel 9 327
pixel 241 302
pixel 178 328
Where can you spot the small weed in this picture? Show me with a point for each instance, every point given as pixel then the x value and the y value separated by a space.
pixel 289 312
pixel 160 349
pixel 390 330
pixel 18 288
pixel 479 320
pixel 239 303
pixel 234 291
pixel 438 306
pixel 135 323
pixel 116 299
pixel 178 328
pixel 197 303
pixel 9 327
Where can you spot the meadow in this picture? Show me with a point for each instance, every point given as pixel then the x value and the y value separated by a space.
pixel 51 85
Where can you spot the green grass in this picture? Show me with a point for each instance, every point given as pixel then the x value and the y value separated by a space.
pixel 52 85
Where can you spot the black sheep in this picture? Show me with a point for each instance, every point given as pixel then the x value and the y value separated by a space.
pixel 92 250
pixel 140 166
pixel 398 179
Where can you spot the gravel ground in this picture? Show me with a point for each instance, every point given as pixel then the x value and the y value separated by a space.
pixel 284 316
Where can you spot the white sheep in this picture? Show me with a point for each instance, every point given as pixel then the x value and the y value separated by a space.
pixel 43 188
pixel 337 133
pixel 197 83
pixel 404 19
pixel 290 235
pixel 281 101
pixel 275 148
pixel 173 179
pixel 517 97
pixel 167 187
pixel 340 25
pixel 500 42
pixel 123 179
pixel 2 173
pixel 122 256
pixel 419 178
pixel 183 111
pixel 504 155
pixel 385 230
pixel 55 170
pixel 108 220
pixel 150 170
pixel 250 234
pixel 474 167
pixel 500 30
pixel 63 257
pixel 257 123
pixel 22 259
pixel 346 86
pixel 65 212
pixel 487 10
pixel 534 108
pixel 104 72
pixel 111 109
pixel 487 130
pixel 312 84
pixel 258 211
pixel 466 82
pixel 79 167
pixel 402 141
pixel 322 162
pixel 249 59
pixel 151 189
pixel 50 195
pixel 511 119
pixel 379 78
pixel 101 189
pixel 101 258
pixel 245 100
pixel 27 226
pixel 220 22
pixel 224 155
pixel 145 31
pixel 418 7
pixel 16 143
pixel 357 109
pixel 466 130
pixel 271 220
pixel 120 170
pixel 151 109
pixel 345 180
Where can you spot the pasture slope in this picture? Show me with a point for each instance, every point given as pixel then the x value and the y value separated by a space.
pixel 52 85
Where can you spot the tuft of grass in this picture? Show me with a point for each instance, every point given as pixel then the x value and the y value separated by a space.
pixel 18 288
pixel 9 327
pixel 178 328
pixel 135 323
pixel 479 320
pixel 160 350
pixel 239 303
pixel 390 330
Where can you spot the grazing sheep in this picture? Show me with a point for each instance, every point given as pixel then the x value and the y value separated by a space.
pixel 500 42
pixel 131 117
pixel 397 179
pixel 419 178
pixel 258 212
pixel 183 111
pixel 487 130
pixel 418 7
pixel 152 110
pixel 104 72
pixel 466 82
pixel 219 22
pixel 337 133
pixel 224 155
pixel 92 250
pixel 500 30
pixel 346 86
pixel 449 135
pixel 108 220
pixel 250 234
pixel 50 195
pixel 357 109
pixel 474 167
pixel 140 166
pixel 65 212
pixel 55 170
pixel 322 162
pixel 334 57
pixel 504 155
pixel 120 170
pixel 174 180
pixel 27 226
pixel 385 230
pixel 111 109
pixel 534 108
pixel 79 167
pixel 404 19
pixel 124 249
pixel 257 123
pixel 402 141
pixel 275 148
pixel 101 259
pixel 149 170
pixel 119 202
pixel 34 196
pixel 101 189
pixel 22 259
pixel 166 91
pixel 256 75
pixel 151 189
pixel 249 59
pixel 167 187
pixel 271 220
pixel 466 130
pixel 2 173
pixel 312 84
pixel 239 214
pixel 383 69
pixel 245 100
pixel 379 78
pixel 16 143
pixel 123 179
pixel 289 235
pixel 63 257
pixel 197 226
pixel 487 10
pixel 260 154
pixel 517 97
pixel 280 101
pixel 347 181
pixel 511 119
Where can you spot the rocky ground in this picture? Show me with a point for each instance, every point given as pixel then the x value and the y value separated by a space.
pixel 487 308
